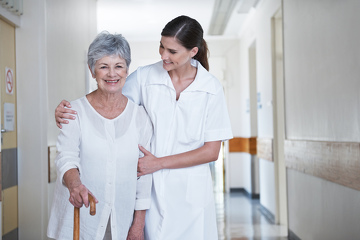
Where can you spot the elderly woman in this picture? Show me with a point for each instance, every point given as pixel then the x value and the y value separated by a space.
pixel 98 152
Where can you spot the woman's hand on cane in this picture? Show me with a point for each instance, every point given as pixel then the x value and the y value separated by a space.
pixel 78 191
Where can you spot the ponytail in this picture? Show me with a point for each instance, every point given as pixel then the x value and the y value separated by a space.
pixel 189 34
pixel 202 55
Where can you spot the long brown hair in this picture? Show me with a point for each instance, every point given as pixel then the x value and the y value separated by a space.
pixel 189 34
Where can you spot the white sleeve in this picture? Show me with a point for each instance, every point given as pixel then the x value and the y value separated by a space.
pixel 68 151
pixel 218 125
pixel 131 88
pixel 144 183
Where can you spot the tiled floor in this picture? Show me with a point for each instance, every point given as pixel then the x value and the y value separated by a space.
pixel 239 218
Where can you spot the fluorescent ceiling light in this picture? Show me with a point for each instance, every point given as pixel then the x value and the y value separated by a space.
pixel 221 15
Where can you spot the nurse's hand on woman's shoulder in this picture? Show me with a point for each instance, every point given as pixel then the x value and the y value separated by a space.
pixel 62 112
pixel 147 164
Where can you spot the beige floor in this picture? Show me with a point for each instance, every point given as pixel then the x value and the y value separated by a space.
pixel 239 218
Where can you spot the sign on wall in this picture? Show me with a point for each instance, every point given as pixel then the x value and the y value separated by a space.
pixel 9 81
pixel 9 116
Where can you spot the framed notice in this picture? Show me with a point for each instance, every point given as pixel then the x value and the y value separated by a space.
pixel 9 116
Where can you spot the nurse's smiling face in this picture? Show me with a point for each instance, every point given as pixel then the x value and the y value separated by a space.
pixel 173 54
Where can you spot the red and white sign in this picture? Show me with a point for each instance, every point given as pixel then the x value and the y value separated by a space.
pixel 9 81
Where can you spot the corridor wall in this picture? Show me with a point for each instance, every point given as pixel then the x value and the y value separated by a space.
pixel 51 37
pixel 67 44
pixel 256 33
pixel 32 121
pixel 322 89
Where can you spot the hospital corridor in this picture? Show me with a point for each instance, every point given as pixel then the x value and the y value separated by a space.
pixel 290 75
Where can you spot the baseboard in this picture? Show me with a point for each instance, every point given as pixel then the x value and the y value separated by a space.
pixel 292 235
pixel 243 190
pixel 237 190
pixel 255 196
pixel 268 215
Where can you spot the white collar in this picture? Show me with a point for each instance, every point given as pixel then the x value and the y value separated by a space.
pixel 203 82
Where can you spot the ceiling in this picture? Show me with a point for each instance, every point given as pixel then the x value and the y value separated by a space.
pixel 142 20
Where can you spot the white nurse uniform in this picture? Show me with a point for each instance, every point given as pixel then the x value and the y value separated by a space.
pixel 182 206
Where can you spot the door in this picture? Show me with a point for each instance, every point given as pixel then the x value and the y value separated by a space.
pixel 9 176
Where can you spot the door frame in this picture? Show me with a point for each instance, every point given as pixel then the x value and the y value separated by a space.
pixel 281 215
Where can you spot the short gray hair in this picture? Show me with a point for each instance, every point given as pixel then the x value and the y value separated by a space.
pixel 107 44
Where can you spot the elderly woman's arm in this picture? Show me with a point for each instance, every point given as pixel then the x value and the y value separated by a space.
pixel 78 191
pixel 136 231
pixel 68 164
pixel 143 186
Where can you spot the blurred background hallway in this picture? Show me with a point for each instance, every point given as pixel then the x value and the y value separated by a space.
pixel 290 73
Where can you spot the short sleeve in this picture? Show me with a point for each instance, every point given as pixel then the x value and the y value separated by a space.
pixel 131 88
pixel 218 125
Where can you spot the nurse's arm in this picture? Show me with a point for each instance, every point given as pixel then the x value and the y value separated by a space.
pixel 63 112
pixel 209 152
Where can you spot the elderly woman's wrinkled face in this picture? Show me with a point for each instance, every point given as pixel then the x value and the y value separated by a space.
pixel 110 73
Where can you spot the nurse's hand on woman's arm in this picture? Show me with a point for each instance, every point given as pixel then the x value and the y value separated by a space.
pixel 62 113
pixel 148 163
pixel 78 191
pixel 207 153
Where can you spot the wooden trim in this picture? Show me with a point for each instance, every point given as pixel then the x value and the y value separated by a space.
pixel 238 144
pixel 338 162
pixel 247 145
pixel 51 164
pixel 265 149
pixel 252 146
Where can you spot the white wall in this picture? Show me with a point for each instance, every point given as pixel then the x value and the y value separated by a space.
pixel 257 29
pixel 322 210
pixel 70 28
pixel 237 164
pixel 144 53
pixel 32 112
pixel 324 67
pixel 321 47
pixel 50 48
pixel 267 185
pixel 67 45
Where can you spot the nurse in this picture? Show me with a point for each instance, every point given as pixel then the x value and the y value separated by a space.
pixel 187 107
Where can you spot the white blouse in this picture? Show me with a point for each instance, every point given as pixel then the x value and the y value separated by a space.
pixel 106 153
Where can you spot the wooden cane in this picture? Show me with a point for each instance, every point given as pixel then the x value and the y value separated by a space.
pixel 76 223
pixel 77 216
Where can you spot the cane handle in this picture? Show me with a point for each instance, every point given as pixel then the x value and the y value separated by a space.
pixel 92 205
